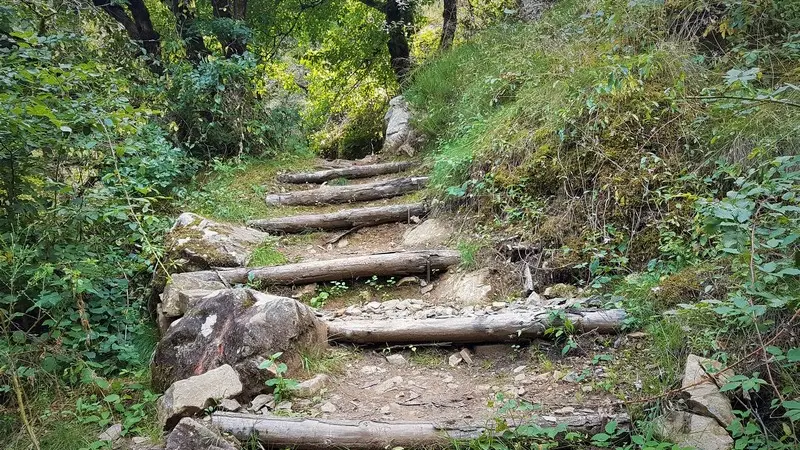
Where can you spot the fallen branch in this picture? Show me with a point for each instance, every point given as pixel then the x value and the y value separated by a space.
pixel 313 434
pixel 364 171
pixel 493 328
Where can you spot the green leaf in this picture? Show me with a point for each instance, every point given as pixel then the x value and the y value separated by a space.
pixel 793 355
pixel 111 398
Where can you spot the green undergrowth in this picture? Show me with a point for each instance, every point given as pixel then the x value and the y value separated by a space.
pixel 650 151
pixel 234 190
pixel 266 255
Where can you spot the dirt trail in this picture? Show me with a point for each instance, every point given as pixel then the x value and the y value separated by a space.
pixel 429 382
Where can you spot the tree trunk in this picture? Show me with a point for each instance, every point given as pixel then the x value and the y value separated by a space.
pixel 492 328
pixel 399 20
pixel 349 218
pixel 185 17
pixel 235 10
pixel 351 193
pixel 319 434
pixel 365 171
pixel 449 24
pixel 422 262
pixel 139 28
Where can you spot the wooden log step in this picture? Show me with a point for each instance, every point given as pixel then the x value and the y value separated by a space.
pixel 319 434
pixel 510 326
pixel 350 193
pixel 364 171
pixel 344 219
pixel 421 262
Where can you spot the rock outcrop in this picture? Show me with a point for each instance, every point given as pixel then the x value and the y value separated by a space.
pixel 400 136
pixel 710 411
pixel 190 396
pixel 242 328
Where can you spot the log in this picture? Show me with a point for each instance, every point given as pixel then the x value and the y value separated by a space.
pixel 382 264
pixel 318 434
pixel 351 193
pixel 348 218
pixel 504 327
pixel 364 171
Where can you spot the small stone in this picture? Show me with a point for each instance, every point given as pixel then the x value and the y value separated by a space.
pixel 396 359
pixel 260 401
pixel 637 335
pixel 111 433
pixel 386 409
pixel 389 384
pixel 587 388
pixel 455 359
pixel 466 356
pixel 426 289
pixel 557 375
pixel 372 370
pixel 390 304
pixel 448 378
pixel 403 305
pixel 190 396
pixel 693 431
pixel 519 369
pixel 543 376
pixel 407 280
pixel 374 305
pixel 521 391
pixel 499 305
pixel 353 311
pixel 284 406
pixel 342 243
pixel 312 387
pixel 564 411
pixel 520 377
pixel 483 387
pixel 328 408
pixel 571 377
pixel 534 299
pixel 229 404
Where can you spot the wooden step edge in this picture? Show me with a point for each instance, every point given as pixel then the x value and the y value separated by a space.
pixel 326 195
pixel 342 219
pixel 504 327
pixel 356 171
pixel 317 434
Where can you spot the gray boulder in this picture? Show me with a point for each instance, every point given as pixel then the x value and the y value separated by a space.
pixel 190 396
pixel 705 398
pixel 191 434
pixel 184 289
pixel 399 133
pixel 195 243
pixel 239 327
pixel 693 431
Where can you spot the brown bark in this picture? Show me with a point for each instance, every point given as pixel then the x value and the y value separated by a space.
pixel 349 218
pixel 235 10
pixel 449 24
pixel 139 28
pixel 503 327
pixel 185 16
pixel 351 193
pixel 421 262
pixel 399 22
pixel 314 434
pixel 365 171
